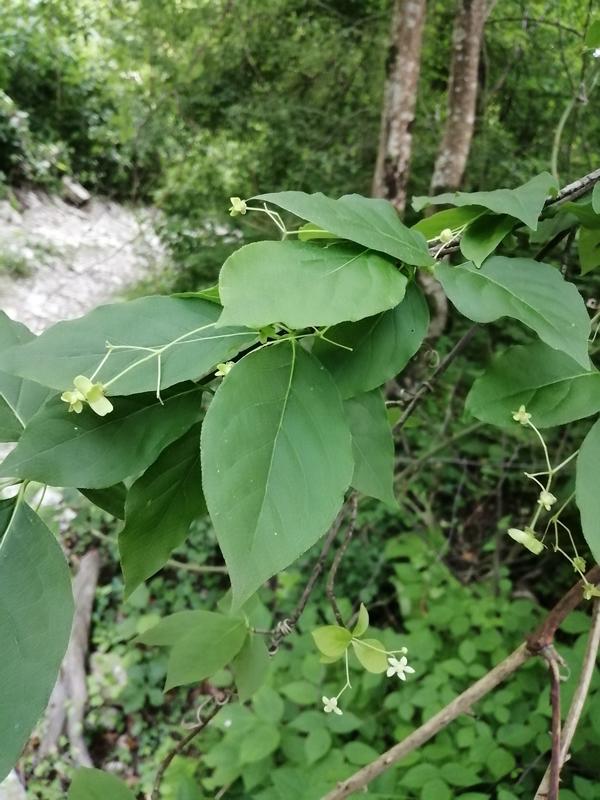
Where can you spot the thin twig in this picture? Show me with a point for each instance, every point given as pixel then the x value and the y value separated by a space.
pixel 542 637
pixel 330 588
pixel 552 660
pixel 183 743
pixel 426 386
pixel 578 701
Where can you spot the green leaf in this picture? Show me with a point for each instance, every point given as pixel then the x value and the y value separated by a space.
pixel 160 508
pixel 362 622
pixel 93 784
pixel 373 223
pixel 359 753
pixel 91 452
pixel 371 654
pixel 111 499
pixel 268 705
pixel 332 640
pixel 484 235
pixel 303 284
pixel 174 627
pixel 372 446
pixel 553 388
pixel 309 232
pixel 592 37
pixel 276 461
pixel 586 489
pixel 588 249
pixel 500 762
pixel 536 294
pixel 36 611
pixel 77 347
pixel 596 197
pixel 581 210
pixel 524 203
pixel 263 741
pixel 20 399
pixel 380 346
pixel 250 667
pixel 317 744
pixel 452 218
pixel 207 647
pixel 436 789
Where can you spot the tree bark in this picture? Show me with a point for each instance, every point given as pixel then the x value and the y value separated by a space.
pixel 455 145
pixel 400 97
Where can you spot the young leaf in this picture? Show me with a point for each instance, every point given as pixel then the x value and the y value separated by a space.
pixel 372 223
pixel 371 654
pixel 332 640
pixel 362 623
pixel 159 509
pixel 276 461
pixel 36 611
pixel 451 218
pixel 93 784
pixel 588 248
pixel 372 446
pixel 553 388
pixel 377 348
pixel 536 294
pixel 88 451
pixel 484 235
pixel 111 499
pixel 204 650
pixel 302 284
pixel 263 741
pixel 250 667
pixel 586 489
pixel 20 399
pixel 524 203
pixel 77 347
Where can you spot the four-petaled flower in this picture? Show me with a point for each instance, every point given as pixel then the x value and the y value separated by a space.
pixel 521 415
pixel 86 391
pixel 330 704
pixel 589 591
pixel 238 206
pixel 527 538
pixel 399 667
pixel 546 499
pixel 224 369
pixel 579 564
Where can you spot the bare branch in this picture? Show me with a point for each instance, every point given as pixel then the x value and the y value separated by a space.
pixel 552 659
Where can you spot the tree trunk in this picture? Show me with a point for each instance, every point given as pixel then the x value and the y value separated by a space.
pixel 462 96
pixel 400 96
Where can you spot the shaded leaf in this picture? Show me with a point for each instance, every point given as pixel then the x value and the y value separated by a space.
pixel 302 284
pixel 111 499
pixel 276 461
pixel 250 667
pixel 263 741
pixel 588 249
pixel 586 489
pixel 484 235
pixel 536 294
pixel 596 198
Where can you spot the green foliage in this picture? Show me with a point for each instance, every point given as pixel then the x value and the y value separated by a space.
pixel 93 784
pixel 588 498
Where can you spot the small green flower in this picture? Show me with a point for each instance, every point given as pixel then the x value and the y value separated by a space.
pixel 238 206
pixel 590 591
pixel 86 391
pixel 224 369
pixel 579 564
pixel 446 236
pixel 546 500
pixel 521 415
pixel 527 538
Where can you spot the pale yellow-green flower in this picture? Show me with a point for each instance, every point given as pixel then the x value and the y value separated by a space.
pixel 546 499
pixel 86 391
pixel 446 236
pixel 75 400
pixel 238 206
pixel 527 538
pixel 579 564
pixel 590 591
pixel 224 369
pixel 521 415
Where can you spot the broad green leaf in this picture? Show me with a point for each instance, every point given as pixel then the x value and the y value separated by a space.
pixel 332 640
pixel 587 494
pixel 375 349
pixel 588 248
pixel 268 705
pixel 373 223
pixel 263 740
pixel 207 647
pixel 160 508
pixel 276 461
pixel 452 218
pixel 372 446
pixel 91 452
pixel 36 611
pixel 93 784
pixel 174 627
pixel 19 399
pixel 582 210
pixel 111 499
pixel 536 294
pixel 596 198
pixel 553 388
pixel 250 667
pixel 371 654
pixel 302 284
pixel 183 328
pixel 524 203
pixel 484 235
pixel 362 623
pixel 592 37
pixel 317 744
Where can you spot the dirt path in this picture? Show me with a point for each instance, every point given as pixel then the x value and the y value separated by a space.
pixel 72 259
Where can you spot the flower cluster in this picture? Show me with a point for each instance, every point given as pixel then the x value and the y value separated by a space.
pixel 85 391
